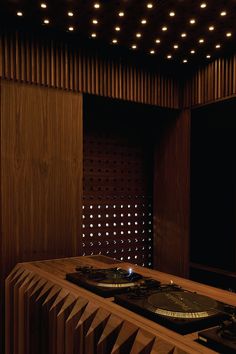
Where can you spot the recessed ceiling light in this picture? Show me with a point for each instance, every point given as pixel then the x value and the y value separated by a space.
pixel 95 22
pixel 143 21
pixel 96 5
pixel 138 35
pixel 172 14
pixel 192 51
pixel 149 5
pixel 158 40
pixel 169 56
pixel 121 14
pixel 164 28
pixel 223 13
pixel 218 46
pixel 175 46
pixel 203 5
pixel 134 46
pixel 208 56
pixel 192 21
pixel 117 28
pixel 211 28
pixel 70 13
pixel 114 41
pixel 201 40
pixel 152 51
pixel 19 13
pixel 93 35
pixel 71 28
pixel 228 34
pixel 183 35
pixel 185 61
pixel 43 5
pixel 46 21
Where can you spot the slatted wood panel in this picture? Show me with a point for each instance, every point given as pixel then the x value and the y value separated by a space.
pixel 47 314
pixel 212 82
pixel 53 63
pixel 41 174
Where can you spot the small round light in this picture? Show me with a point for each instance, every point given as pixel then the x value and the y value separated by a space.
pixel 46 21
pixel 114 41
pixel 201 40
pixel 203 5
pixel 172 14
pixel 134 46
pixel 143 21
pixel 183 35
pixel 223 13
pixel 169 56
pixel 208 56
pixel 218 46
pixel 19 13
pixel 43 5
pixel 164 28
pixel 95 22
pixel 149 5
pixel 93 35
pixel 117 29
pixel 158 41
pixel 96 5
pixel 121 14
pixel 192 51
pixel 70 13
pixel 228 34
pixel 192 21
pixel 185 61
pixel 138 35
pixel 211 28
pixel 152 51
pixel 175 46
pixel 71 28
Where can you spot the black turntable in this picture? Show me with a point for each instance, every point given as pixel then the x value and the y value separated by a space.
pixel 105 282
pixel 221 338
pixel 180 310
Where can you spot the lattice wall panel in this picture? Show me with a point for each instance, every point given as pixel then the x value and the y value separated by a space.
pixel 117 203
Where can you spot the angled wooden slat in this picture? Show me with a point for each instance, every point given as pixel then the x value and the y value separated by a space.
pixel 125 339
pixel 143 343
pixel 109 334
pixel 162 347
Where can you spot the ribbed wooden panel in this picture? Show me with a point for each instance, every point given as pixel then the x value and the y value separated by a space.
pixel 50 63
pixel 43 317
pixel 213 82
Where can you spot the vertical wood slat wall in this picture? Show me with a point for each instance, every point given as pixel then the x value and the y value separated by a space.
pixel 53 64
pixel 210 83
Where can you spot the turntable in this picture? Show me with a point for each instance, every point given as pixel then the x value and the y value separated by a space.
pixel 221 338
pixel 105 282
pixel 180 310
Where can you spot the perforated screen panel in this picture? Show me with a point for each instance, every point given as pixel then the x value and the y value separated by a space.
pixel 117 196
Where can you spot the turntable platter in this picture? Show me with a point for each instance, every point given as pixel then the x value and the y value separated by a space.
pixel 182 304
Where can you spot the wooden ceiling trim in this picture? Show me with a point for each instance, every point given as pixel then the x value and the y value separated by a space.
pixel 52 64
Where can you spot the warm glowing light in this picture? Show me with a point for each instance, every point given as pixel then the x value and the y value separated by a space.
pixel 143 21
pixel 70 14
pixel 218 46
pixel 192 21
pixel 93 35
pixel 149 5
pixel 97 5
pixel 152 51
pixel 169 56
pixel 164 28
pixel 114 41
pixel 46 21
pixel 192 51
pixel 175 46
pixel 71 28
pixel 223 13
pixel 43 5
pixel 211 28
pixel 117 29
pixel 138 35
pixel 201 40
pixel 95 22
pixel 208 56
pixel 229 34
pixel 134 46
pixel 158 40
pixel 203 5
pixel 121 14
pixel 185 61
pixel 183 35
pixel 172 14
pixel 19 13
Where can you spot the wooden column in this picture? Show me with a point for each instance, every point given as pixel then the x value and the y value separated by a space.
pixel 171 196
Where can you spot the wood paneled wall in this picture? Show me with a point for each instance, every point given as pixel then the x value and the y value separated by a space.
pixel 171 196
pixel 41 174
pixel 60 65
pixel 210 83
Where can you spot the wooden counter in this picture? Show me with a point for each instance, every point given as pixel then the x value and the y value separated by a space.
pixel 46 314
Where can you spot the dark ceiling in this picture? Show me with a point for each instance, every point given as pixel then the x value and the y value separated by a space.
pixel 180 31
